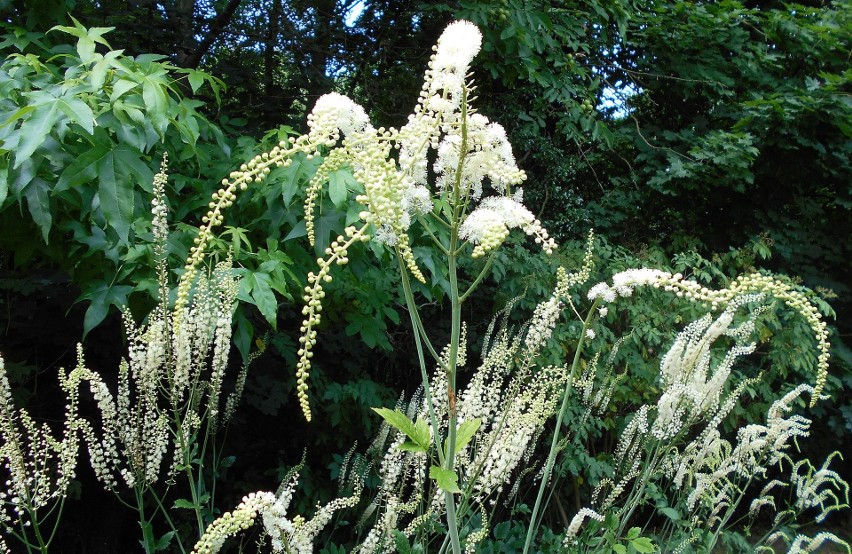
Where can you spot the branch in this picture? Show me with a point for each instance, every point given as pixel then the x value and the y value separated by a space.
pixel 219 24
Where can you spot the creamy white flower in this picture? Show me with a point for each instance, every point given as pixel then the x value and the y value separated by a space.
pixel 334 112
pixel 458 45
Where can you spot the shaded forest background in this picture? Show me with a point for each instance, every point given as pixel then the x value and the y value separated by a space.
pixel 710 138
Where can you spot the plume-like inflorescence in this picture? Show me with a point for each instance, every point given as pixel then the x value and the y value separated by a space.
pixel 171 381
pixel 392 165
pixel 625 282
pixel 38 467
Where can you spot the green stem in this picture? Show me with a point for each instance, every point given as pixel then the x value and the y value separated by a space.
pixel 165 513
pixel 551 456
pixel 190 477
pixel 147 536
pixel 479 277
pixel 425 225
pixel 455 335
pixel 415 322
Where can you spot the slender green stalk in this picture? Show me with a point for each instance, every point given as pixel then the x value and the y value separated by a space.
pixel 415 322
pixel 147 536
pixel 165 513
pixel 190 477
pixel 479 277
pixel 455 335
pixel 551 456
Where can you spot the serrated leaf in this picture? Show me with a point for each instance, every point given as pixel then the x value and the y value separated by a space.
pixel 644 545
pixel 164 541
pixel 421 434
pixel 619 549
pixel 633 533
pixel 465 433
pixel 409 446
pixel 446 479
pixel 417 432
pixel 184 504
pixel 401 542
pixel 397 420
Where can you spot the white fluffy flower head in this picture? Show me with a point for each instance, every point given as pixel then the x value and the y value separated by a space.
pixel 456 48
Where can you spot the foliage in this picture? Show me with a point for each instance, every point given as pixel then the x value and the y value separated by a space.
pixel 740 125
pixel 80 133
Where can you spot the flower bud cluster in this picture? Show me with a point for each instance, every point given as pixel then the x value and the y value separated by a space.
pixel 231 523
pixel 337 254
pixel 489 224
pixel 332 162
pixel 254 171
pixel 159 210
pixel 38 466
pixel 625 282
pixel 565 280
pixel 576 522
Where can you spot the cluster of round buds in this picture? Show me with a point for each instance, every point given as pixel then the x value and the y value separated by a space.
pixel 548 245
pixel 159 211
pixel 565 280
pixel 231 523
pixel 253 171
pixel 334 161
pixel 490 223
pixel 337 254
pixel 625 282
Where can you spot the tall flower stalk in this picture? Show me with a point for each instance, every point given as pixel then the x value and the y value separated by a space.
pixel 450 172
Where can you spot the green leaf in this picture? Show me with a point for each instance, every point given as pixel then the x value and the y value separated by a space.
pixel 446 479
pixel 35 129
pixel 421 434
pixel 417 432
pixel 465 433
pixel 337 191
pixel 670 513
pixel 256 288
pixel 196 79
pixel 164 541
pixel 116 197
pixel 634 533
pixel 644 545
pixel 619 549
pixel 4 184
pixel 78 112
pixel 38 203
pixel 83 169
pixel 409 446
pixel 155 104
pixel 103 295
pixel 121 88
pixel 402 545
pixel 184 504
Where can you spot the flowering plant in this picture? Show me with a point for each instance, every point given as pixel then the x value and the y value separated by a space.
pixel 445 456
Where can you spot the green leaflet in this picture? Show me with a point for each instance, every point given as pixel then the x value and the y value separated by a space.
pixel 418 432
pixel 446 479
